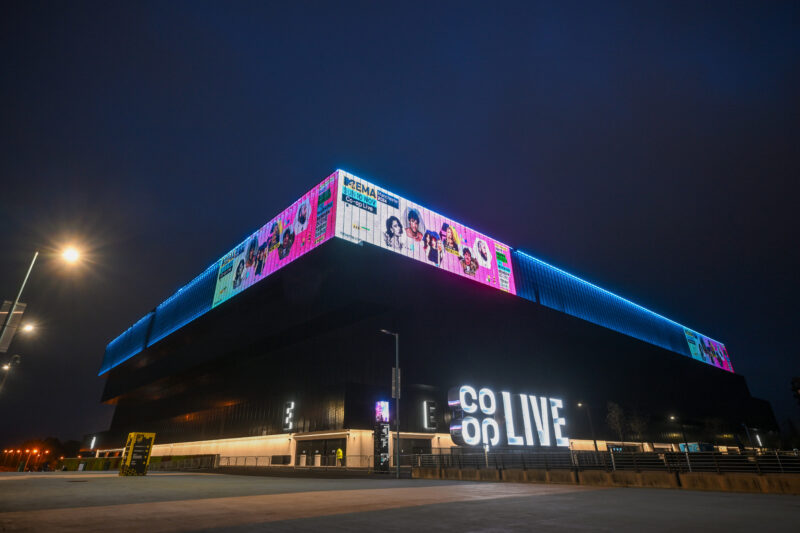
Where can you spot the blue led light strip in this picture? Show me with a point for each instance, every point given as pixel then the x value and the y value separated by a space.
pixel 601 289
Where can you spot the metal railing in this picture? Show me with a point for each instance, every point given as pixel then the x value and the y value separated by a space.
pixel 761 463
pixel 196 462
pixel 308 462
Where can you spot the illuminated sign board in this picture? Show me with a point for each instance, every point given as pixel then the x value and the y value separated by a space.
pixel 708 350
pixel 381 411
pixel 288 416
pixel 136 454
pixel 429 415
pixel 483 418
pixel 381 436
pixel 301 227
pixel 368 213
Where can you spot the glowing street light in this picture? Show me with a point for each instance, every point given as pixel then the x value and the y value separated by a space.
pixel 13 360
pixel 71 254
pixel 27 328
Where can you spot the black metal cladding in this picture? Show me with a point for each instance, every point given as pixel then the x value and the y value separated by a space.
pixel 539 282
pixel 310 334
pixel 190 302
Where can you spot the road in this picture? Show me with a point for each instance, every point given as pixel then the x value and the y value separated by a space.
pixel 211 502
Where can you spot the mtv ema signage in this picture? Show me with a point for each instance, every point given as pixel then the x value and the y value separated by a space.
pixel 480 419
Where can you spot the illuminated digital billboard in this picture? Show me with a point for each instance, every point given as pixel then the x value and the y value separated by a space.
pixel 708 350
pixel 301 227
pixel 368 213
pixel 382 411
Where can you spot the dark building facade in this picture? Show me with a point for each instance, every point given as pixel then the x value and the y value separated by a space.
pixel 299 351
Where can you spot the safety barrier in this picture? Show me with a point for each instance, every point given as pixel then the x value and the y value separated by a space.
pixel 193 462
pixel 349 462
pixel 774 462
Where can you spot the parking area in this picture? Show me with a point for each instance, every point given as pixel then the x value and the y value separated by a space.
pixel 213 502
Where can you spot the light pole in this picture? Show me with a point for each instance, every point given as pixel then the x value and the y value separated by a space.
pixel 591 424
pixel 396 395
pixel 7 369
pixel 685 442
pixel 19 295
pixel 70 255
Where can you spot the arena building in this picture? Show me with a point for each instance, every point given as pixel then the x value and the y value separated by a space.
pixel 276 350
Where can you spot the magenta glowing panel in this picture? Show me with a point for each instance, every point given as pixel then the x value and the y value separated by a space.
pixel 301 227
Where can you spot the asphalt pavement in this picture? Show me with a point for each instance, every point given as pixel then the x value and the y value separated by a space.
pixel 60 501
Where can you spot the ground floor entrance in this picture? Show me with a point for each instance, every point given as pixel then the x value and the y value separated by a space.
pixel 321 452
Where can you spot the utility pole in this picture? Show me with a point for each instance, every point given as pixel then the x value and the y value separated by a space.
pixel 396 396
pixel 16 301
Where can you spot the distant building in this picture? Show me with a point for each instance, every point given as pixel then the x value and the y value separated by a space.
pixel 275 350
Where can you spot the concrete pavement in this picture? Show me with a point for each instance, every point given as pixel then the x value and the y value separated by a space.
pixel 210 502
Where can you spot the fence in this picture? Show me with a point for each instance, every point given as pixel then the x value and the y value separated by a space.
pixel 764 463
pixel 313 461
pixel 194 462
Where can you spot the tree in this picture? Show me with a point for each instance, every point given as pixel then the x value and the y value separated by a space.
pixel 637 425
pixel 615 418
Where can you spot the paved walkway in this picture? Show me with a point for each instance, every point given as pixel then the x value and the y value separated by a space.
pixel 198 502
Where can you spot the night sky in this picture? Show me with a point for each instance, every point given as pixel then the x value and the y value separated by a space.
pixel 653 149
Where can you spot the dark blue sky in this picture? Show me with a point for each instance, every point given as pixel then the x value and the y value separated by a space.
pixel 649 147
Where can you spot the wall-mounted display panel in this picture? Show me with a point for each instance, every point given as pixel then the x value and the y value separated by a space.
pixel 301 227
pixel 368 213
pixel 708 350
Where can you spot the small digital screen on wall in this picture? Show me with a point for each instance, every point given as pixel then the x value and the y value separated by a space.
pixel 382 411
pixel 708 350
pixel 300 228
pixel 367 213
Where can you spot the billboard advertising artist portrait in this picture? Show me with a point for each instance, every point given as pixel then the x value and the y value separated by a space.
pixel 367 213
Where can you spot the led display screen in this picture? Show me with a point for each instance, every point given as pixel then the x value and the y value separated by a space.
pixel 368 213
pixel 300 228
pixel 708 350
pixel 382 411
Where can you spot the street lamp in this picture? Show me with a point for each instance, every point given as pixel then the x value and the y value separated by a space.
pixel 70 255
pixel 685 441
pixel 591 424
pixel 396 395
pixel 27 328
pixel 14 360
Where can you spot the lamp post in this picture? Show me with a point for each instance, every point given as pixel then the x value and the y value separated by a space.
pixel 19 295
pixel 396 395
pixel 7 369
pixel 685 442
pixel 591 424
pixel 70 255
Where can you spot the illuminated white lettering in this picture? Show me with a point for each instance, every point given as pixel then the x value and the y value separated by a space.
pixel 484 396
pixel 288 421
pixel 555 405
pixel 487 415
pixel 526 419
pixel 465 392
pixel 471 431
pixel 513 439
pixel 540 416
pixel 487 423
